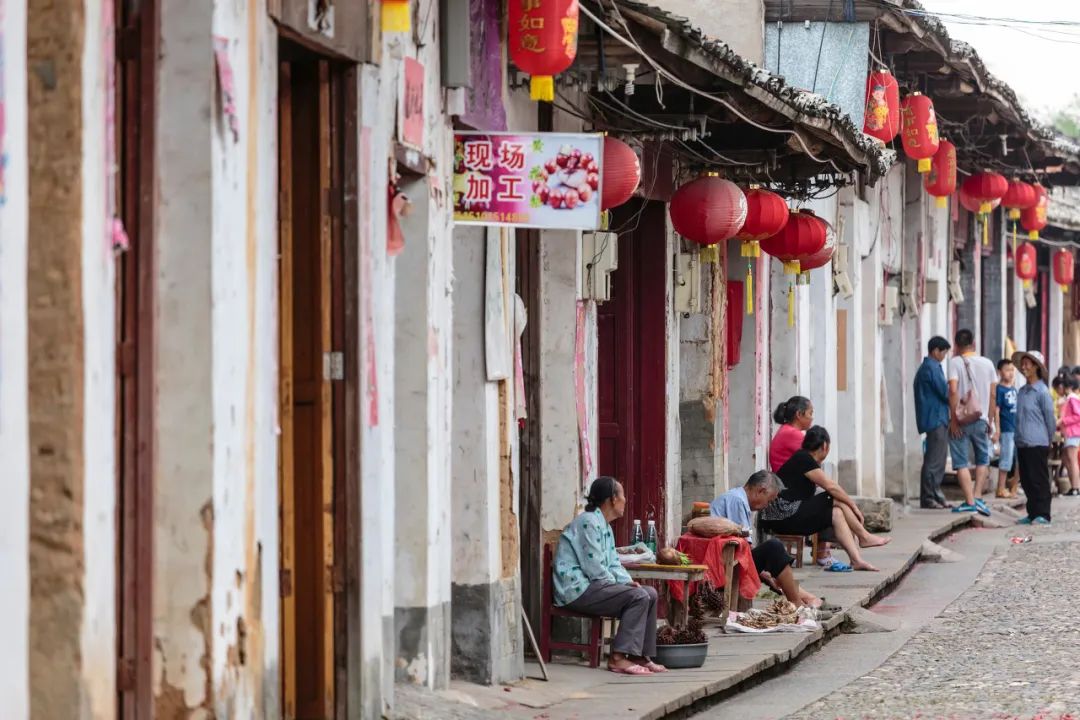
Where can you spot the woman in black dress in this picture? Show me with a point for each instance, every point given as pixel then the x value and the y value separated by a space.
pixel 799 511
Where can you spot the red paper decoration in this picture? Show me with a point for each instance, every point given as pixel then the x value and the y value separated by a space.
pixel 542 38
pixel 766 215
pixel 802 236
pixel 1063 269
pixel 882 118
pixel 708 210
pixel 941 180
pixel 919 131
pixel 1026 268
pixel 1019 196
pixel 985 188
pixel 621 172
pixel 1034 218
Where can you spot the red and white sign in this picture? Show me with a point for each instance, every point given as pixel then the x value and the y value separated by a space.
pixel 411 106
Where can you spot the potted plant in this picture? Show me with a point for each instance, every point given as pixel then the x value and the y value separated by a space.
pixel 686 646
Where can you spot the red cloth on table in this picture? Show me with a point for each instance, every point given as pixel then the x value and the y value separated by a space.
pixel 710 552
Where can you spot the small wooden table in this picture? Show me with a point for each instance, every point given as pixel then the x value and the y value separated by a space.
pixel 686 574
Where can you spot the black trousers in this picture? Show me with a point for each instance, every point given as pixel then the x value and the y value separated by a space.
pixel 1035 479
pixel 771 557
pixel 933 467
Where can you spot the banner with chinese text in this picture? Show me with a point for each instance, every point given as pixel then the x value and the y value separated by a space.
pixel 541 180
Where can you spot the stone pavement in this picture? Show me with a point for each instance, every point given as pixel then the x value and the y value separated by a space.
pixel 1007 648
pixel 577 692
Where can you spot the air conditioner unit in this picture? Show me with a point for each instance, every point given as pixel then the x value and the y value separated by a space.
pixel 956 293
pixel 687 298
pixel 599 258
pixel 889 305
pixel 841 278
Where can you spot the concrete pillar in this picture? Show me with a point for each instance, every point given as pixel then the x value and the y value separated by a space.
pixel 71 379
pixel 184 401
pixel 14 418
pixel 992 279
pixel 422 547
pixel 869 372
pixel 741 435
pixel 486 629
pixel 1054 326
pixel 850 329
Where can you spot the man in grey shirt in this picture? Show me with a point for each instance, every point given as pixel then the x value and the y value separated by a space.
pixel 1035 425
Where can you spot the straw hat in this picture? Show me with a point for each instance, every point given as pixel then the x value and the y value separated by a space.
pixel 1036 357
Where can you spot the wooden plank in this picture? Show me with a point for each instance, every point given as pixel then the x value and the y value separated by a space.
pixel 326 391
pixel 286 459
pixel 841 350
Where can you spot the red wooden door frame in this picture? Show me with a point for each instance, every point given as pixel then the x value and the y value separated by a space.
pixel 632 367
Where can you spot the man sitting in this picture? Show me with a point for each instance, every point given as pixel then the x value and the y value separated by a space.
pixel 770 557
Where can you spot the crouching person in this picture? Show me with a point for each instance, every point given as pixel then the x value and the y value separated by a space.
pixel 589 579
pixel 770 557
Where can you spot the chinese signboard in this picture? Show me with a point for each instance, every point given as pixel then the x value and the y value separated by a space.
pixel 542 180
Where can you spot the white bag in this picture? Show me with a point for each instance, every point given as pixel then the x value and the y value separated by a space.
pixel 636 554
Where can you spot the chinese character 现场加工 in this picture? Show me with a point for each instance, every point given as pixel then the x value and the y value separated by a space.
pixel 478 155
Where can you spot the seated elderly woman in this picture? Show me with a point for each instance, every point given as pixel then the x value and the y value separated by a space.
pixel 801 510
pixel 589 579
pixel 770 558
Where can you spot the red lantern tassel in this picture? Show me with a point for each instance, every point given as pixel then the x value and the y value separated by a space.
pixel 749 288
pixel 542 88
pixel 986 230
pixel 791 305
pixel 941 201
pixel 396 16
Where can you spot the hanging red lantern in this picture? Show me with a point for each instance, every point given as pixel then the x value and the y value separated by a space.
pixel 985 188
pixel 1019 196
pixel 882 118
pixel 396 16
pixel 941 180
pixel 708 210
pixel 1026 267
pixel 818 259
pixel 802 236
pixel 971 204
pixel 1063 269
pixel 621 173
pixel 766 215
pixel 1034 218
pixel 542 38
pixel 918 129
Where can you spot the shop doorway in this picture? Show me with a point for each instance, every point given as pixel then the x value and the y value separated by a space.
pixel 136 53
pixel 631 366
pixel 319 466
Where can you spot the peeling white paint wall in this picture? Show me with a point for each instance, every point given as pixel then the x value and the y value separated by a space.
pixel 739 23
pixel 14 439
pixel 99 372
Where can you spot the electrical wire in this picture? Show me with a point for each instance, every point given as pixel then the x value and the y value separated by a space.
pixel 663 72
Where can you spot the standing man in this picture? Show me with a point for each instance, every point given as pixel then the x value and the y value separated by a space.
pixel 932 418
pixel 1035 425
pixel 972 381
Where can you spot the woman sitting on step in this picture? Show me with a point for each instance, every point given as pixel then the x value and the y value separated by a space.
pixel 589 579
pixel 799 511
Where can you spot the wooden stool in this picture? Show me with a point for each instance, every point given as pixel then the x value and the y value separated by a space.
pixel 795 545
pixel 593 648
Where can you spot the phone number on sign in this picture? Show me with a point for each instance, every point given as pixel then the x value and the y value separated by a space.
pixel 502 217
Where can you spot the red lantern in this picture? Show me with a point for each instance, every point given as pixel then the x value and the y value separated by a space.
pixel 882 119
pixel 985 188
pixel 766 215
pixel 918 129
pixel 971 204
pixel 802 236
pixel 815 260
pixel 621 171
pixel 1026 268
pixel 542 37
pixel 1063 269
pixel 941 180
pixel 708 210
pixel 1019 196
pixel 1034 218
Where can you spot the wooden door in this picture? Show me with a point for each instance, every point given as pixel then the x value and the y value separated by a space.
pixel 631 351
pixel 136 52
pixel 312 366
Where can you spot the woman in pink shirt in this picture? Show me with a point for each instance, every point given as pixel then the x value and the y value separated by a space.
pixel 795 417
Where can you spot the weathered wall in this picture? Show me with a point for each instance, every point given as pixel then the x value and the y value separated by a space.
pixel 737 22
pixel 14 517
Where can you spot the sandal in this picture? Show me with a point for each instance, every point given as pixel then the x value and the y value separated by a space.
pixel 1002 495
pixel 631 670
pixel 837 566
pixel 654 668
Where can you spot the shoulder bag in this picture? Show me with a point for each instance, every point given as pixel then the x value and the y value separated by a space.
pixel 969 409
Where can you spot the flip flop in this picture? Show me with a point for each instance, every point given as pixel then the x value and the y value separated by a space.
pixel 838 566
pixel 828 606
pixel 632 670
pixel 654 668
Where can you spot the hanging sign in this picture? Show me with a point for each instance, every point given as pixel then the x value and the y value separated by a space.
pixel 541 180
pixel 411 110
